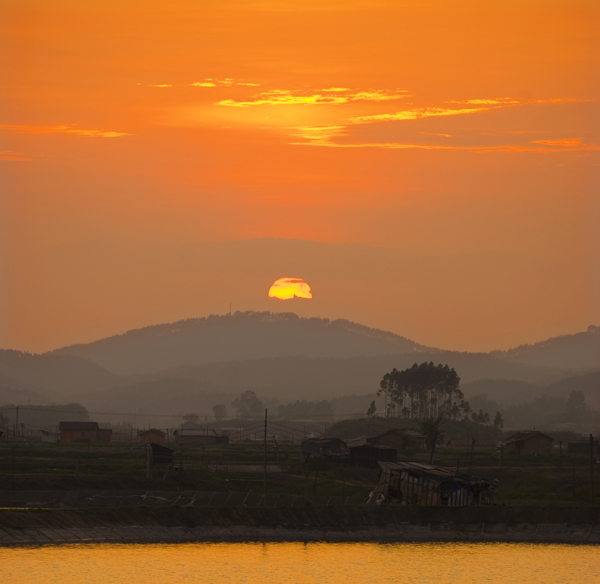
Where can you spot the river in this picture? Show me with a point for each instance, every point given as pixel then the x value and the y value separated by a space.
pixel 283 563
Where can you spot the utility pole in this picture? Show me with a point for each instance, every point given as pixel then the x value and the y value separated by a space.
pixel 149 461
pixel 591 469
pixel 17 425
pixel 265 464
pixel 560 456
pixel 433 447
pixel 471 457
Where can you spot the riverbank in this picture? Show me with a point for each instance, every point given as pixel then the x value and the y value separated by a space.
pixel 347 523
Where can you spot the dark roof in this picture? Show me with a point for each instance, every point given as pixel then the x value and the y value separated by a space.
pixel 368 445
pixel 429 471
pixel 78 426
pixel 320 440
pixel 524 435
pixel 160 449
pixel 152 431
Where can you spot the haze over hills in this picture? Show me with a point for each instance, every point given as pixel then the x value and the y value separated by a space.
pixel 189 364
pixel 241 336
pixel 577 351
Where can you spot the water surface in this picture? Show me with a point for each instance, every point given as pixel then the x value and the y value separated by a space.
pixel 283 563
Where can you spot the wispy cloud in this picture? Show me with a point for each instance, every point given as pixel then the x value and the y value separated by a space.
pixel 540 148
pixel 483 105
pixel 12 156
pixel 435 134
pixel 416 114
pixel 162 85
pixel 495 101
pixel 333 95
pixel 563 143
pixel 67 130
pixel 227 82
pixel 319 135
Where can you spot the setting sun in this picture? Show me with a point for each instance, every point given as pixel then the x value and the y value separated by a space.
pixel 288 288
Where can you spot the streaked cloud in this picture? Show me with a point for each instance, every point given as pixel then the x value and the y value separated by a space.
pixel 162 85
pixel 563 143
pixel 227 82
pixel 542 147
pixel 435 134
pixel 12 156
pixel 416 114
pixel 497 101
pixel 319 135
pixel 66 130
pixel 333 95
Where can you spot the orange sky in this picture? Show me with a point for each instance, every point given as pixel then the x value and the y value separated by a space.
pixel 455 144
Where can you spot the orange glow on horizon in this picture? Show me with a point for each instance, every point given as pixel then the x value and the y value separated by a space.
pixel 289 288
pixel 370 146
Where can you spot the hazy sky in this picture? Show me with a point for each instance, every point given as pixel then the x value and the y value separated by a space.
pixel 434 165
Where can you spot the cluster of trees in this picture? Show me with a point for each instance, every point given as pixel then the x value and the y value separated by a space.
pixel 423 391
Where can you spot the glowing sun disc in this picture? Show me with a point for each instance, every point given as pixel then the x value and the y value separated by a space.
pixel 288 288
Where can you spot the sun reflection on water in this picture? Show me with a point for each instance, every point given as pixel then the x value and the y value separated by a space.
pixel 283 563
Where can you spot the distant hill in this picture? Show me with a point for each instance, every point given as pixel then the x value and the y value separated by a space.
pixel 14 392
pixel 56 377
pixel 588 384
pixel 577 351
pixel 196 363
pixel 337 376
pixel 241 336
pixel 161 397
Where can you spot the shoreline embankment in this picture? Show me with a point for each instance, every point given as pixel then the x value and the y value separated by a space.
pixel 35 526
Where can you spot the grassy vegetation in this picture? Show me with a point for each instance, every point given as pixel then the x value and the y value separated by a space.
pixel 217 468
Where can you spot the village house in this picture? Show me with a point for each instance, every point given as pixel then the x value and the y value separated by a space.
pixel 528 443
pixel 411 483
pixel 153 435
pixel 84 432
pixel 322 445
pixel 401 439
pixel 370 454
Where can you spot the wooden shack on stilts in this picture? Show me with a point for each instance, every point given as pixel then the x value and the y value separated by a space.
pixel 412 483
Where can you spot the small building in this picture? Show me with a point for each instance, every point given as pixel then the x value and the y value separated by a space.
pixel 401 439
pixel 412 483
pixel 533 442
pixel 153 435
pixel 84 432
pixel 370 454
pixel 160 454
pixel 323 445
pixel 50 436
pixel 104 435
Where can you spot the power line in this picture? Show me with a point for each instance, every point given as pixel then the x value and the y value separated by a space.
pixel 50 409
